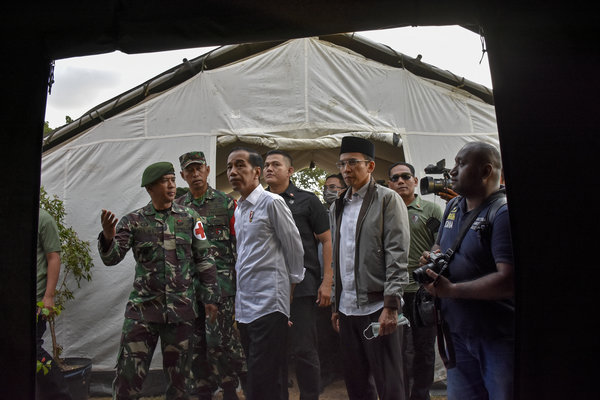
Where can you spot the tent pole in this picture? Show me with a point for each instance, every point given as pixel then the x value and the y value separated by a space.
pixel 25 70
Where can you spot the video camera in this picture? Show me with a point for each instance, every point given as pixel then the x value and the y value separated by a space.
pixel 432 185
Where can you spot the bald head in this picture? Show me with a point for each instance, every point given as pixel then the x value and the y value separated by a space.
pixel 485 153
pixel 477 170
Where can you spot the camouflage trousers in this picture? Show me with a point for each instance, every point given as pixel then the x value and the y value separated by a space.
pixel 138 342
pixel 218 357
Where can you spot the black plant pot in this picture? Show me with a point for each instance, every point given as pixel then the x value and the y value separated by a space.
pixel 78 377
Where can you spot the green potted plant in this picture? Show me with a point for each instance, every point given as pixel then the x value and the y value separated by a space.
pixel 76 266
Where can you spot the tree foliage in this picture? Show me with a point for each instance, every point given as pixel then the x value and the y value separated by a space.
pixel 75 258
pixel 75 253
pixel 47 128
pixel 311 179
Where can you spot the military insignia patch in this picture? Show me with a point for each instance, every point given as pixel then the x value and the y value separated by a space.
pixel 199 231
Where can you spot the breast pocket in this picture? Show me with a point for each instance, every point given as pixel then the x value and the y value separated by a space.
pixel 145 252
pixel 217 228
pixel 183 248
pixel 184 231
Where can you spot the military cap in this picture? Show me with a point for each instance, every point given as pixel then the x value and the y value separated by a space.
pixel 155 171
pixel 191 157
pixel 351 144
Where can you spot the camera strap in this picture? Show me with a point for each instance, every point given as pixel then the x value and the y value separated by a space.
pixel 468 221
pixel 444 340
pixel 445 345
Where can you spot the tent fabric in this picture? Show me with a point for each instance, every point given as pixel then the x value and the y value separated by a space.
pixel 423 149
pixel 302 96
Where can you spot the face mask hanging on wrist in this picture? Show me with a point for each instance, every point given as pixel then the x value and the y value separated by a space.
pixel 374 326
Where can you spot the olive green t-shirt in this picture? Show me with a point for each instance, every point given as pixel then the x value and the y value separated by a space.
pixel 422 237
pixel 48 242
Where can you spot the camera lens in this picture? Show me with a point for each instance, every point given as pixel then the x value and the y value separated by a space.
pixel 432 185
pixel 420 276
pixel 426 185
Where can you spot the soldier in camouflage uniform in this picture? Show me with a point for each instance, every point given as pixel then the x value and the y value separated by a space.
pixel 171 251
pixel 219 358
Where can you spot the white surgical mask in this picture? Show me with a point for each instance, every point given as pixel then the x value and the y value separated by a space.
pixel 374 326
pixel 329 195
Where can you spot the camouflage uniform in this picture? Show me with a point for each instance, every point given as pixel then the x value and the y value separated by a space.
pixel 168 253
pixel 225 355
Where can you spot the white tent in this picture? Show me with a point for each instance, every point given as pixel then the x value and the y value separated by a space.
pixel 302 96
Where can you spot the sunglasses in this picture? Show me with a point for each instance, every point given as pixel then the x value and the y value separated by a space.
pixel 405 176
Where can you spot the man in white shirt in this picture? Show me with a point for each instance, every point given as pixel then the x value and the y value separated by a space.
pixel 370 231
pixel 270 263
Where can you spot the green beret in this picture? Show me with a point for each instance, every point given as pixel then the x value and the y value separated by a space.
pixel 190 158
pixel 156 171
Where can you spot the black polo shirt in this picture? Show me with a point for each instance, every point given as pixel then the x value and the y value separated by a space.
pixel 311 218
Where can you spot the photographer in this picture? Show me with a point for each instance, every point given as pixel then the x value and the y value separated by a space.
pixel 476 290
pixel 419 339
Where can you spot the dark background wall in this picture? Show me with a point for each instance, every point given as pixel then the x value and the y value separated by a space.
pixel 544 60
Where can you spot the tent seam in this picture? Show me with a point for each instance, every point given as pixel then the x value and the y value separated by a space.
pixel 306 108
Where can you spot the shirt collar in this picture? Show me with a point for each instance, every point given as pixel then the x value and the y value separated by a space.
pixel 208 194
pixel 255 195
pixel 360 192
pixel 416 203
pixel 150 210
pixel 289 192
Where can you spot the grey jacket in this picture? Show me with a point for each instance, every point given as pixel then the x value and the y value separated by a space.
pixel 382 243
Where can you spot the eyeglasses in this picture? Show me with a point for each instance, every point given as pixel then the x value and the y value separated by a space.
pixel 332 187
pixel 405 176
pixel 351 163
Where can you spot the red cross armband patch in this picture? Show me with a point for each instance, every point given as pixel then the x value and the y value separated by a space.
pixel 199 230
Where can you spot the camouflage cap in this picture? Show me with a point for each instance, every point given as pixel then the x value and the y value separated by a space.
pixel 192 157
pixel 155 171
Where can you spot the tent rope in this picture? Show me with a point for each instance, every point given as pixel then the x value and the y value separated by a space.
pixel 51 77
pixel 203 65
pixel 482 39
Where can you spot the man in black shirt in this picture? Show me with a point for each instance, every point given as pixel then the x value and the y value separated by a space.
pixel 313 224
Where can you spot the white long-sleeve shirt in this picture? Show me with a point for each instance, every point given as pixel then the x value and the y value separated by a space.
pixel 348 300
pixel 270 256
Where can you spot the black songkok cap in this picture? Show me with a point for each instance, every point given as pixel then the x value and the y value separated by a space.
pixel 351 144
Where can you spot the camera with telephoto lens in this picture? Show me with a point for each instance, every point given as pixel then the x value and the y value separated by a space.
pixel 438 264
pixel 433 185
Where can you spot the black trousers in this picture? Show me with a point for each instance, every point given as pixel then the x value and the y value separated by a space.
pixel 51 386
pixel 304 346
pixel 419 353
pixel 329 347
pixel 371 367
pixel 264 341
